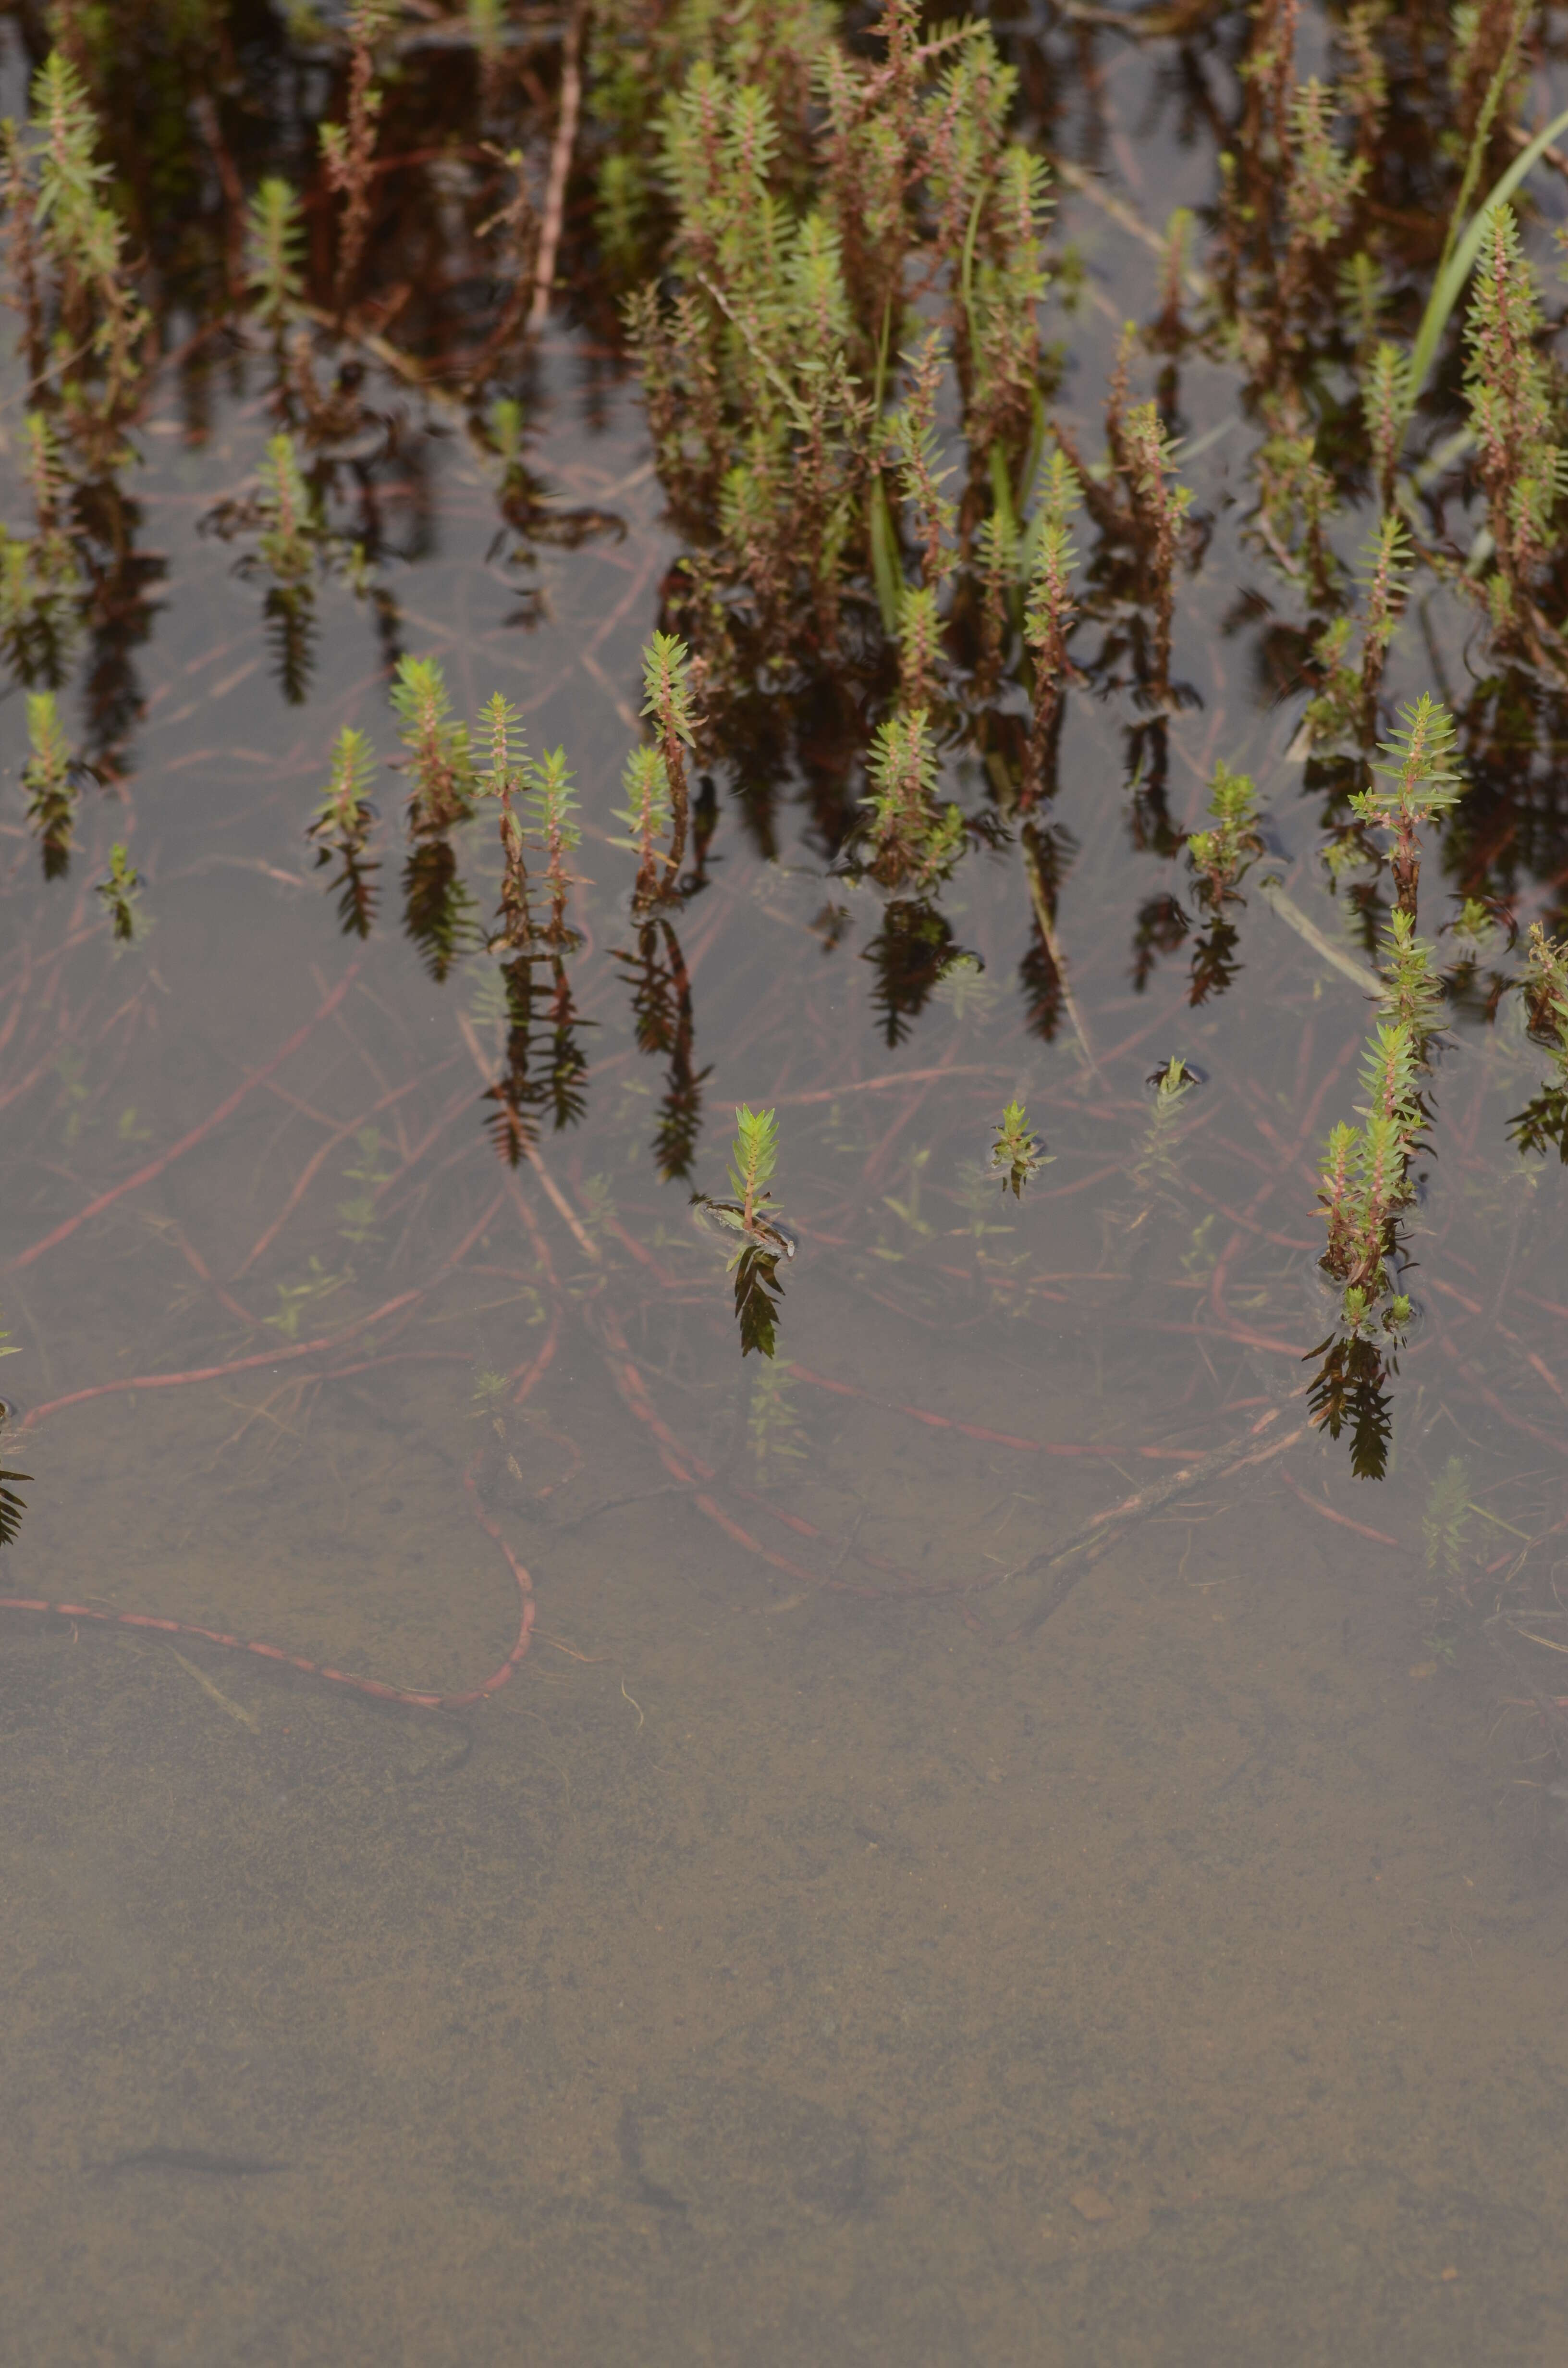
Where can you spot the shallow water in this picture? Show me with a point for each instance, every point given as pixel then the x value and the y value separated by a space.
pixel 834 1939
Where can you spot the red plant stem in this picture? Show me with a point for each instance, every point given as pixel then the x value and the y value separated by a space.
pixel 313 1166
pixel 35 1415
pixel 154 1167
pixel 977 1430
pixel 1490 1397
pixel 372 1686
pixel 199 1266
pixel 894 1077
pixel 1379 1537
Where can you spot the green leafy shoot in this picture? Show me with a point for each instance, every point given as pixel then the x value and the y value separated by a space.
pixel 647 814
pixel 773 1429
pixel 275 240
pixel 50 779
pixel 754 1154
pixel 1447 1518
pixel 121 893
pixel 341 826
pixel 439 756
pixel 1017 1152
pixel 1542 1125
pixel 1418 781
pixel 11 1505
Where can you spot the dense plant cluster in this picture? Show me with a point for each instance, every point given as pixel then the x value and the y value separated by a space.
pixel 821 242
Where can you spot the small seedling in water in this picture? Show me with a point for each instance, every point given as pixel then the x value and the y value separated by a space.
pixel 50 777
pixel 764 1236
pixel 1170 1087
pixel 1544 1121
pixel 1447 1518
pixel 754 1155
pixel 120 893
pixel 773 1429
pixel 297 1296
pixel 1017 1152
pixel 11 1505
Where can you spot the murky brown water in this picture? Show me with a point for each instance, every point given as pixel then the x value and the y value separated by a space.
pixel 795 1960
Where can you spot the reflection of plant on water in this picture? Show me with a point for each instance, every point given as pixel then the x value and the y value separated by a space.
pixel 822 252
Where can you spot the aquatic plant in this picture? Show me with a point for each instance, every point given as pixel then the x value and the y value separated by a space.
pixel 775 1438
pixel 120 890
pixel 348 148
pixel 1367 1175
pixel 439 764
pixel 1221 858
pixel 754 1155
pixel 912 839
pixel 1543 1122
pixel 1159 507
pixel 663 1027
pixel 1446 1518
pixel 550 801
pixel 51 779
pixel 1155 1172
pixel 274 228
pixel 647 814
pixel 1017 1152
pixel 1048 617
pixel 12 1506
pixel 1422 783
pixel 666 683
pixel 503 778
pixel 341 827
pixel 1513 414
pixel 85 327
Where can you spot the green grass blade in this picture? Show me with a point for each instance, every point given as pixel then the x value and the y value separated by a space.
pixel 1450 284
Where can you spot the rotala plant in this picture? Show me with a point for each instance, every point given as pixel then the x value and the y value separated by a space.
pixel 438 762
pixel 438 907
pixel 647 814
pixel 1543 1122
pixel 275 238
pixel 804 225
pixel 11 1505
pixel 1017 1152
pixel 1417 782
pixel 1446 1518
pixel 666 683
pixel 121 891
pixel 1365 1177
pixel 503 779
pixel 50 777
pixel 549 802
pixel 1048 617
pixel 348 148
pixel 912 840
pixel 1159 511
pixel 288 526
pixel 1221 858
pixel 85 325
pixel 1508 385
pixel 1366 1170
pixel 754 1155
pixel 341 828
pixel 1345 708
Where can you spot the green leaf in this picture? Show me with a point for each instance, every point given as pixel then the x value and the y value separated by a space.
pixel 886 566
